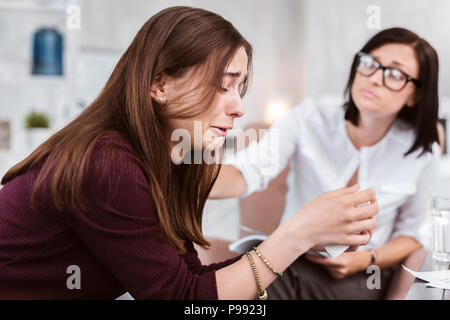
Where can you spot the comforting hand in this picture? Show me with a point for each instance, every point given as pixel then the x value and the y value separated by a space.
pixel 336 217
pixel 346 264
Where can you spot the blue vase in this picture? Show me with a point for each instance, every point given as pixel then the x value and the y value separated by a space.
pixel 47 52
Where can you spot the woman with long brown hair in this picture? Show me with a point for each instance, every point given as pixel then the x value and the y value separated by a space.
pixel 103 200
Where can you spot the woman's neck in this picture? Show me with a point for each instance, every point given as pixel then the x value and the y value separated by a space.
pixel 369 131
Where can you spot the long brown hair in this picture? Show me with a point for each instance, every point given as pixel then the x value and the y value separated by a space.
pixel 173 41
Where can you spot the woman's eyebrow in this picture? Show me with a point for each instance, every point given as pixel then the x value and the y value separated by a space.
pixel 393 62
pixel 403 66
pixel 234 75
pixel 396 63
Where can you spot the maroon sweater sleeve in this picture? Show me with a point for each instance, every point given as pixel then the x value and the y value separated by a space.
pixel 120 227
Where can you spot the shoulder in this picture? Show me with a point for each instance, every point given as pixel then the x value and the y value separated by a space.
pixel 116 177
pixel 113 141
pixel 112 146
pixel 114 157
pixel 403 137
pixel 415 164
pixel 403 132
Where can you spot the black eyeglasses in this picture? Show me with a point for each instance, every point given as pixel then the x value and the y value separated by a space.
pixel 393 79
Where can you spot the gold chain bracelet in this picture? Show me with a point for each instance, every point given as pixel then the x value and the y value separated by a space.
pixel 267 262
pixel 262 294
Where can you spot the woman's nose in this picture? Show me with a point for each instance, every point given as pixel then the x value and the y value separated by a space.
pixel 377 77
pixel 235 109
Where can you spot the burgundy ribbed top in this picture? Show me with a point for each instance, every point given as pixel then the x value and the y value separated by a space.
pixel 117 244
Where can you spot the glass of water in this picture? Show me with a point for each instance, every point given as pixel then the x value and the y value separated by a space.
pixel 441 228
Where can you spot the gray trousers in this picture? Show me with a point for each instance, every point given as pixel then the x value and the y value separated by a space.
pixel 305 280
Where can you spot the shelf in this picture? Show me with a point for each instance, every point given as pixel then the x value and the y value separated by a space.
pixel 27 6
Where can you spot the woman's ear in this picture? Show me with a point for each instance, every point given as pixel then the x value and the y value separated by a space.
pixel 158 90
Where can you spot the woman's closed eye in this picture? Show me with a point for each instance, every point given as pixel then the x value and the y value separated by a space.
pixel 230 87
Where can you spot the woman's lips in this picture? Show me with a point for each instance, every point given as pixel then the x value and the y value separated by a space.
pixel 369 94
pixel 221 131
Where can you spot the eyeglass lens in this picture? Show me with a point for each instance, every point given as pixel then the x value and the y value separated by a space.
pixel 393 78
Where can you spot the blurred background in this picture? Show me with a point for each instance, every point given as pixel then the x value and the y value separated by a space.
pixel 55 56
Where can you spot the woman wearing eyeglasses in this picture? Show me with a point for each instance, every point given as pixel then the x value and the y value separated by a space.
pixel 385 136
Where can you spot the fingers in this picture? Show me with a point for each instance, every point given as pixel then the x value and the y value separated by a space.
pixel 368 232
pixel 318 248
pixel 359 239
pixel 358 227
pixel 345 190
pixel 366 211
pixel 362 197
pixel 352 248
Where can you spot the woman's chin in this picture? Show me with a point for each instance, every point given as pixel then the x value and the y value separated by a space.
pixel 214 143
pixel 367 106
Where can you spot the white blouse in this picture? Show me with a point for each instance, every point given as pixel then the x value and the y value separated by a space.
pixel 312 137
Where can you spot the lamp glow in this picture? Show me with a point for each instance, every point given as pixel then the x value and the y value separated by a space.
pixel 274 111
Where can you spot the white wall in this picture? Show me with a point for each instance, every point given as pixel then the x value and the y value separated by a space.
pixel 336 30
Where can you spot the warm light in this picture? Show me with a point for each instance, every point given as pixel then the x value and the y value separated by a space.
pixel 274 111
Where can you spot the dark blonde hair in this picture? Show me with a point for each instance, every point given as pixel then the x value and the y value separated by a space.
pixel 173 41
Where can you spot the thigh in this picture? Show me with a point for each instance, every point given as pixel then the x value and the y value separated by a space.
pixel 301 281
pixel 305 280
pixel 285 287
